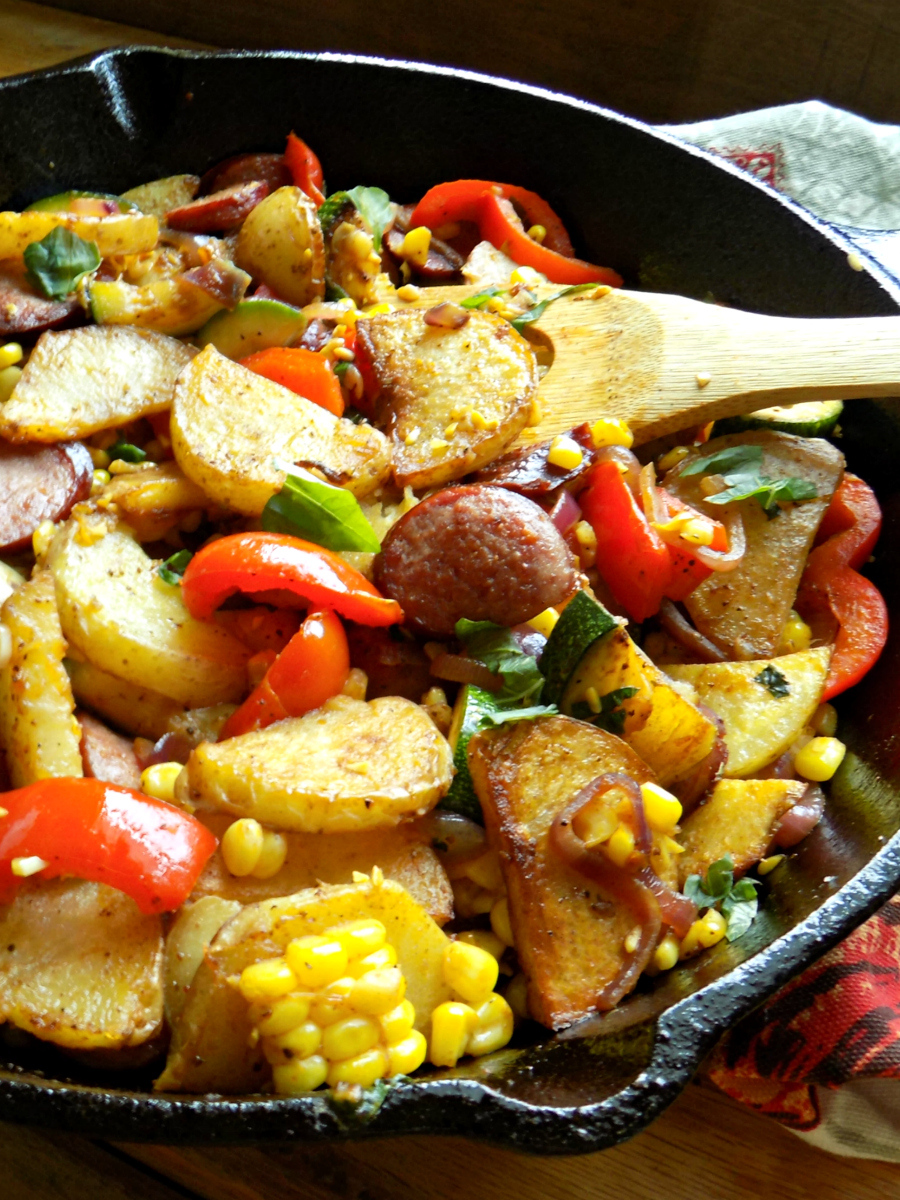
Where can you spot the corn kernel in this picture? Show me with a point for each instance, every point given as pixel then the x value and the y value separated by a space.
pixel 819 758
pixel 397 1023
pixel 42 537
pixel 703 933
pixel 378 991
pixel 27 865
pixel 595 823
pixel 408 1055
pixel 385 957
pixel 795 636
pixel 99 458
pixel 356 684
pixel 825 720
pixel 359 937
pixel 10 354
pixel 620 846
pixel 9 377
pixel 500 922
pixel 300 1075
pixel 632 940
pixel 409 292
pixel 316 961
pixel 527 276
pixel 470 900
pixel 665 956
pixel 284 1015
pixel 415 246
pixel 158 781
pixel 537 233
pixel 697 531
pixel 495 1026
pixel 586 537
pixel 470 971
pixel 99 480
pixel 565 453
pixel 517 996
pixel 267 980
pixel 242 844
pixel 377 310
pixel 452 1024
pixel 485 871
pixel 769 864
pixel 545 621
pixel 661 808
pixel 272 855
pixel 362 1070
pixel 672 458
pixel 349 1037
pixel 484 939
pixel 299 1042
pixel 610 431
pixel 331 1004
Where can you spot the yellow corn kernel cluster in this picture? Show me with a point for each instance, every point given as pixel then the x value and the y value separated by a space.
pixel 703 933
pixel 665 956
pixel 415 245
pixel 610 431
pixel 565 453
pixel 248 849
pixel 545 621
pixel 333 1010
pixel 795 636
pixel 158 781
pixel 819 758
pixel 481 1020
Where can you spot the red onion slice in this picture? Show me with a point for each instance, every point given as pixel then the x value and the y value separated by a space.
pixel 675 623
pixel 800 820
pixel 459 669
pixel 566 512
pixel 655 508
pixel 725 560
pixel 446 316
pixel 456 838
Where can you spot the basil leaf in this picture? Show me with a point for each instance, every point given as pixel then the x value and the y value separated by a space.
pixel 125 452
pixel 723 461
pixel 495 646
pixel 537 312
pixel 507 715
pixel 374 206
pixel 611 716
pixel 737 902
pixel 481 298
pixel 739 916
pixel 57 262
pixel 174 567
pixel 769 492
pixel 773 680
pixel 327 515
pixel 720 876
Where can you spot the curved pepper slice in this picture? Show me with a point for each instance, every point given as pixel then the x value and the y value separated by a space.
pixel 100 831
pixel 304 371
pixel 260 562
pixel 311 669
pixel 306 169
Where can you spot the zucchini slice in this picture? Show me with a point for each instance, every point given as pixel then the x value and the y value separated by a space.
pixel 253 325
pixel 582 621
pixel 812 418
pixel 472 703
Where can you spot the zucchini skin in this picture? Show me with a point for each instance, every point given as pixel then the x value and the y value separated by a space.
pixel 814 418
pixel 582 621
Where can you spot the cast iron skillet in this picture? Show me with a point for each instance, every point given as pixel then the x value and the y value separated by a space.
pixel 669 218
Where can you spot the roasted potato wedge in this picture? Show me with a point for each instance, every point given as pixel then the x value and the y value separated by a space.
pixel 187 942
pixel 81 966
pixel 124 233
pixel 745 610
pixel 118 614
pixel 158 196
pixel 210 1049
pixel 403 853
pixel 280 244
pixel 739 818
pixel 228 424
pixel 450 399
pixel 667 730
pixel 38 730
pixel 569 936
pixel 759 725
pixel 153 502
pixel 138 710
pixel 78 381
pixel 345 767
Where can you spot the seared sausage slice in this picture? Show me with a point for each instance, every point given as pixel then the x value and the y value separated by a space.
pixel 39 483
pixel 107 755
pixel 479 552
pixel 245 168
pixel 528 472
pixel 24 311
pixel 222 210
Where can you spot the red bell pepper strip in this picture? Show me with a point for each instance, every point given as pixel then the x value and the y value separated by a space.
pixel 259 562
pixel 688 572
pixel 832 587
pixel 631 556
pixel 305 168
pixel 311 669
pixel 303 371
pixel 100 831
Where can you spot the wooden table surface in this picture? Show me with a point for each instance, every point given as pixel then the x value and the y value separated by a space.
pixel 703 1146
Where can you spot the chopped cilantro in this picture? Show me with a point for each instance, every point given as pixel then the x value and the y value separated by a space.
pixel 611 716
pixel 174 567
pixel 772 679
pixel 737 902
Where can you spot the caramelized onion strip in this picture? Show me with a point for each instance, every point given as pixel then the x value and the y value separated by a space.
pixel 459 669
pixel 674 623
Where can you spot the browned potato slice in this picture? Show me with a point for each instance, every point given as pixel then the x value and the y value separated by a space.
pixel 345 767
pixel 280 244
pixel 569 936
pixel 81 966
pixel 160 195
pixel 187 941
pixel 210 1050
pixel 740 819
pixel 81 380
pixel 138 710
pixel 228 425
pixel 745 610
pixel 451 399
pixel 404 854
pixel 38 730
pixel 153 502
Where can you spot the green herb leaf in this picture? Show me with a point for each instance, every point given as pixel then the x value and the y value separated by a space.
pixel 773 680
pixel 327 515
pixel 125 452
pixel 334 291
pixel 769 492
pixel 506 716
pixel 734 458
pixel 57 262
pixel 330 207
pixel 534 314
pixel 611 716
pixel 355 417
pixel 481 298
pixel 374 206
pixel 737 902
pixel 495 646
pixel 340 369
pixel 174 567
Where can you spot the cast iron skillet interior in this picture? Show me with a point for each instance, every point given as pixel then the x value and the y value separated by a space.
pixel 671 219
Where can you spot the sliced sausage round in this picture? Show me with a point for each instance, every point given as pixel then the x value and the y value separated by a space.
pixel 39 483
pixel 107 755
pixel 245 168
pixel 479 552
pixel 24 311
pixel 220 210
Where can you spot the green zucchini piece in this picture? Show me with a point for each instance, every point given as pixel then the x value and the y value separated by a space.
pixel 169 306
pixel 582 621
pixel 253 325
pixel 61 201
pixel 472 703
pixel 812 418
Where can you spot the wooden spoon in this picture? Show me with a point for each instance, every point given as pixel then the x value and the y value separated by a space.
pixel 663 362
